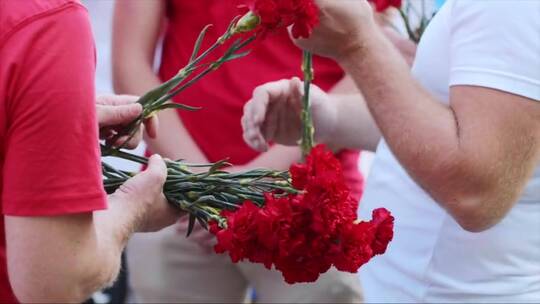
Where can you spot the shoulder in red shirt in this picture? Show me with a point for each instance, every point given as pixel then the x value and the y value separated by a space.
pixel 49 158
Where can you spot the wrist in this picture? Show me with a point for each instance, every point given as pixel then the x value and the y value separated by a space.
pixel 326 126
pixel 358 43
pixel 122 216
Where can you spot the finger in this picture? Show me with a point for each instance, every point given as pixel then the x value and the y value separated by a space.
pixel 267 101
pixel 267 94
pixel 116 100
pixel 106 133
pixel 258 105
pixel 296 87
pixel 156 171
pixel 109 115
pixel 148 183
pixel 259 142
pixel 256 113
pixel 126 141
pixel 250 126
pixel 151 126
pixel 255 140
pixel 252 132
pixel 270 125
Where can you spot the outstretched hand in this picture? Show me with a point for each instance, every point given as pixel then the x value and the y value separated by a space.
pixel 273 114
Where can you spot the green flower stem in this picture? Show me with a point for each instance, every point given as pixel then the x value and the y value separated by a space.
pixel 231 54
pixel 204 195
pixel 408 27
pixel 154 100
pixel 308 130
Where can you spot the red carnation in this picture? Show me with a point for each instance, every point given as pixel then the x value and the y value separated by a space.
pixel 303 15
pixel 383 223
pixel 355 247
pixel 382 5
pixel 238 239
pixel 307 18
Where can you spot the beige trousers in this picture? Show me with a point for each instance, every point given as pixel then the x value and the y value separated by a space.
pixel 166 267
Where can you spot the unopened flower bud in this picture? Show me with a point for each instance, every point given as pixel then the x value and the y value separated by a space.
pixel 247 23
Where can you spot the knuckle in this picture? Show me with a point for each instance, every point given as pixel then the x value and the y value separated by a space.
pixel 247 107
pixel 158 177
pixel 127 189
pixel 260 90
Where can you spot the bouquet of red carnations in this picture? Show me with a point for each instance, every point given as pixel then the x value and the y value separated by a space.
pixel 302 222
pixel 304 234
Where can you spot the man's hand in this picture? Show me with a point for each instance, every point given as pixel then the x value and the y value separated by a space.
pixel 342 25
pixel 64 258
pixel 114 112
pixel 273 114
pixel 143 195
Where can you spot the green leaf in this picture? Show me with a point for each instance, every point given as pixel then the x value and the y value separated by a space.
pixel 198 43
pixel 191 224
pixel 160 90
pixel 236 56
pixel 203 223
pixel 177 106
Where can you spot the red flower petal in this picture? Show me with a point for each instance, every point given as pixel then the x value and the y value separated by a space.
pixel 303 15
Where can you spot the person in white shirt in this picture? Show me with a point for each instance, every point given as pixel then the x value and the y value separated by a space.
pixel 458 163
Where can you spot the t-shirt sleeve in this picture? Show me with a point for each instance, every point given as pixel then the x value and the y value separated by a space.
pixel 496 44
pixel 52 160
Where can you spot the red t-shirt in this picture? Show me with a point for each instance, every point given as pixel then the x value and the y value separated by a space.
pixel 49 158
pixel 216 128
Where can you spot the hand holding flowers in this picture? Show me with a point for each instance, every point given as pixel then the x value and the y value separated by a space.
pixel 114 112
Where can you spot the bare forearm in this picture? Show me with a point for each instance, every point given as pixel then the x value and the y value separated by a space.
pixel 278 157
pixel 448 149
pixel 414 124
pixel 356 128
pixel 67 269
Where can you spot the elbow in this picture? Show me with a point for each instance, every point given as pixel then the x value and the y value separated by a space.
pixel 473 220
pixel 476 201
pixel 477 212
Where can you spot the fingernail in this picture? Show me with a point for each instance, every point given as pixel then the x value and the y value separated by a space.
pixel 134 108
pixel 156 157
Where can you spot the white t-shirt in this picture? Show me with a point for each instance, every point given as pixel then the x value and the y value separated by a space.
pixel 494 44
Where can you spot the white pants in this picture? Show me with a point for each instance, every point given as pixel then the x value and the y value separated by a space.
pixel 167 267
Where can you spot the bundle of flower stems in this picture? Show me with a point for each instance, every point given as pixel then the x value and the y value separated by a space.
pixel 204 195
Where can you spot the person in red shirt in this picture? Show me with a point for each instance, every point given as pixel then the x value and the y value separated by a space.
pixel 183 271
pixel 61 237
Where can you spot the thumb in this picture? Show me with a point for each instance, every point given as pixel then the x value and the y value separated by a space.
pixel 155 174
pixel 150 181
pixel 109 115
